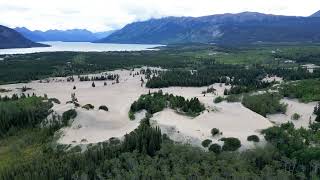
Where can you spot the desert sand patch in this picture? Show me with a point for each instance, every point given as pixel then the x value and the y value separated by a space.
pixel 92 126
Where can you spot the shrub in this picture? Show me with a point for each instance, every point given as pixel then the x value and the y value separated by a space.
pixel 231 144
pixel 66 116
pixel 216 148
pixel 88 106
pixel 93 85
pixel 215 131
pixel 206 143
pixel 295 116
pixel 253 138
pixel 131 115
pixel 55 100
pixel 103 107
pixel 218 99
pixel 233 98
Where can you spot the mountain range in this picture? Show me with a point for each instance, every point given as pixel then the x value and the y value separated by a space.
pixel 241 28
pixel 10 38
pixel 72 35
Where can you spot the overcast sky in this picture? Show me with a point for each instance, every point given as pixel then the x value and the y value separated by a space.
pixel 101 15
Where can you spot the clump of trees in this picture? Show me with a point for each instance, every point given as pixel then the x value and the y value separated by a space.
pixel 68 115
pixel 230 144
pixel 263 104
pixel 155 102
pixel 253 138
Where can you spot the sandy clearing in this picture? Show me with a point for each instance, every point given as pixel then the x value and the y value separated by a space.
pixel 233 119
pixel 310 67
pixel 294 106
pixel 93 126
pixel 272 79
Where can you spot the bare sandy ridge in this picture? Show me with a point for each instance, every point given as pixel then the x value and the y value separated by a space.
pixel 92 126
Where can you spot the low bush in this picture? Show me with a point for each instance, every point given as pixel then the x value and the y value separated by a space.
pixel 215 131
pixel 218 99
pixel 103 107
pixel 295 116
pixel 88 106
pixel 216 148
pixel 131 115
pixel 206 143
pixel 253 138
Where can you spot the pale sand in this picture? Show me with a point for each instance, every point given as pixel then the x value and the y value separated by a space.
pixel 294 106
pixel 93 126
pixel 272 79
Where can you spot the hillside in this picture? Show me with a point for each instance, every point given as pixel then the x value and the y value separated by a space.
pixel 247 27
pixel 316 14
pixel 10 38
pixel 72 35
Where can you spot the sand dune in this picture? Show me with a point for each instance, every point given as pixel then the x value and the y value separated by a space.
pixel 92 126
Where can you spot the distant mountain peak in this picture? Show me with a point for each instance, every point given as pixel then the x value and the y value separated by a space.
pixel 316 14
pixel 10 38
pixel 70 35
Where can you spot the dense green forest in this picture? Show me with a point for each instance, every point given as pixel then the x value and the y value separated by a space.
pixel 156 102
pixel 20 112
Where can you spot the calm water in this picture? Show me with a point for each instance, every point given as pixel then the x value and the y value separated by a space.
pixel 81 47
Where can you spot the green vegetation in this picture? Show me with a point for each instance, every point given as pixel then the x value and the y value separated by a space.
pixel 253 138
pixel 218 99
pixel 206 143
pixel 215 131
pixel 28 148
pixel 230 144
pixel 216 148
pixel 263 104
pixel 295 116
pixel 68 115
pixel 88 106
pixel 304 90
pixel 30 153
pixel 316 111
pixel 104 107
pixel 18 113
pixel 229 98
pixel 156 102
